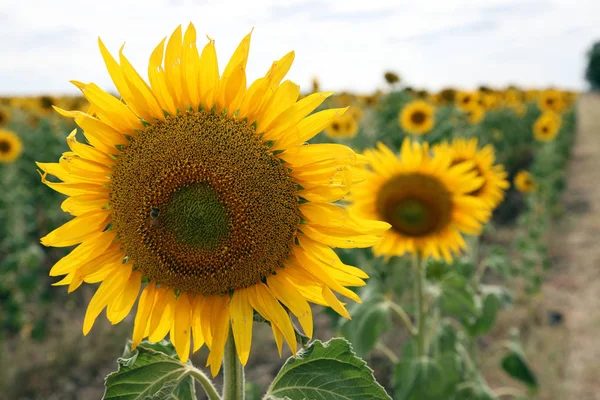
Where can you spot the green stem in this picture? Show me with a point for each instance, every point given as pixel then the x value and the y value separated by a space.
pixel 399 311
pixel 233 372
pixel 388 353
pixel 419 287
pixel 206 384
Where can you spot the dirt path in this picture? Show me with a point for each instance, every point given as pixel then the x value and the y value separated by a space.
pixel 580 241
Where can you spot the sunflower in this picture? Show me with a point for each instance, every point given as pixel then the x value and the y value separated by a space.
pixel 466 100
pixel 491 192
pixel 10 146
pixel 475 114
pixel 391 77
pixel 4 116
pixel 551 100
pixel 206 190
pixel 546 127
pixel 315 84
pixel 356 112
pixel 524 182
pixel 417 117
pixel 45 104
pixel 342 126
pixel 425 199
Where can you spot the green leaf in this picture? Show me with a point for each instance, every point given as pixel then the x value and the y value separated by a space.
pixel 369 321
pixel 457 298
pixel 418 379
pixel 151 371
pixel 490 307
pixel 326 371
pixel 515 364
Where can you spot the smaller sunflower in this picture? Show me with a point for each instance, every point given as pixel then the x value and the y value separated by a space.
pixel 425 199
pixel 45 104
pixel 551 100
pixel 391 77
pixel 524 182
pixel 342 127
pixel 546 127
pixel 4 116
pixel 417 117
pixel 316 86
pixel 494 176
pixel 10 146
pixel 356 112
pixel 466 100
pixel 475 114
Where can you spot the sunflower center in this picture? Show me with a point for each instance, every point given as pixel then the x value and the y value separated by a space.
pixel 415 205
pixel 545 129
pixel 418 117
pixel 4 146
pixel 201 205
pixel 335 126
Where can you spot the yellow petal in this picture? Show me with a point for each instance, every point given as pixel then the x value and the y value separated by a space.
pixel 143 314
pixel 77 230
pixel 292 299
pixel 308 128
pixel 87 250
pixel 182 327
pixel 209 75
pixel 163 312
pixel 121 305
pixel 173 68
pixel 108 289
pixel 158 79
pixel 220 330
pixel 241 322
pixel 191 63
pixel 284 97
pixel 197 317
pixel 148 106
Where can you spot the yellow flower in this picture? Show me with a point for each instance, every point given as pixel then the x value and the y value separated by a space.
pixel 4 116
pixel 524 182
pixel 356 112
pixel 10 146
pixel 424 198
pixel 494 177
pixel 206 189
pixel 342 126
pixel 417 117
pixel 475 114
pixel 551 100
pixel 547 126
pixel 466 100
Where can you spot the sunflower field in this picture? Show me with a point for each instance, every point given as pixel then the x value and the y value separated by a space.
pixel 249 240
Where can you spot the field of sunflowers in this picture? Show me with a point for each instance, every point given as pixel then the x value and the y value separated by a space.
pixel 432 216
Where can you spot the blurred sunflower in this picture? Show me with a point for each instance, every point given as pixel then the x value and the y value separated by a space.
pixel 4 116
pixel 424 198
pixel 524 182
pixel 45 104
pixel 207 191
pixel 417 117
pixel 10 146
pixel 551 100
pixel 475 114
pixel 371 100
pixel 446 96
pixel 342 126
pixel 391 77
pixel 546 127
pixel 315 84
pixel 466 100
pixel 491 192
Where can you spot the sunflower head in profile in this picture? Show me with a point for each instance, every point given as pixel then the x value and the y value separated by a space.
pixel 475 114
pixel 495 183
pixel 391 77
pixel 417 117
pixel 446 96
pixel 316 85
pixel 425 198
pixel 547 126
pixel 551 100
pixel 524 182
pixel 45 104
pixel 205 189
pixel 342 126
pixel 371 100
pixel 10 146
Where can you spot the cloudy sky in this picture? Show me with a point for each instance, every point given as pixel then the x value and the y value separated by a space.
pixel 348 44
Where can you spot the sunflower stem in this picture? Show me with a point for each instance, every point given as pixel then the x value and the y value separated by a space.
pixel 233 372
pixel 206 384
pixel 419 287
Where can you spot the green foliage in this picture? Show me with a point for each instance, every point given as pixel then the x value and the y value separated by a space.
pixel 150 371
pixel 326 371
pixel 592 72
pixel 515 364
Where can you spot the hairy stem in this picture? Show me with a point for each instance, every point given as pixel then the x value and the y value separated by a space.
pixel 233 372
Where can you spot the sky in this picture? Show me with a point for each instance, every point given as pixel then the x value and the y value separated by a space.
pixel 347 44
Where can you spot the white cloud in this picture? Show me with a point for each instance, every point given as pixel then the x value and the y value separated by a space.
pixel 347 44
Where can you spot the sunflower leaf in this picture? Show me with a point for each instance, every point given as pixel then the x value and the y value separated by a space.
pixel 326 371
pixel 152 370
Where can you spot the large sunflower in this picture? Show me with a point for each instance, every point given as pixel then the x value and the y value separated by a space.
pixel 494 176
pixel 426 200
pixel 207 191
pixel 10 146
pixel 546 127
pixel 417 117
